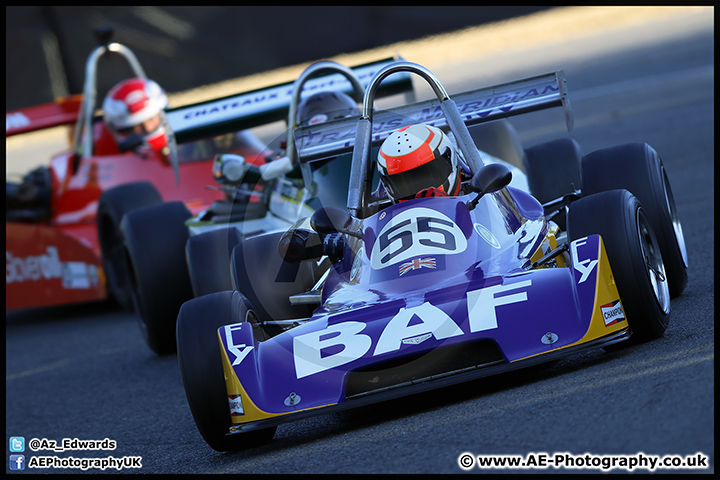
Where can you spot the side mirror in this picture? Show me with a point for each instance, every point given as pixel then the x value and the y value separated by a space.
pixel 228 169
pixel 330 220
pixel 298 244
pixel 490 178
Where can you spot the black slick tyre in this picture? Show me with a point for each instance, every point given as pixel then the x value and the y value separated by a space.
pixel 201 367
pixel 158 279
pixel 259 273
pixel 638 168
pixel 113 205
pixel 553 170
pixel 633 253
pixel 208 260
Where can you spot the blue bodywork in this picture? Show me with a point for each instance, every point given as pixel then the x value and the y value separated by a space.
pixel 473 289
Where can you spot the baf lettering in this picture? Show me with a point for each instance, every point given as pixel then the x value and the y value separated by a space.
pixel 432 320
pixel 318 351
pixel 342 343
pixel 482 304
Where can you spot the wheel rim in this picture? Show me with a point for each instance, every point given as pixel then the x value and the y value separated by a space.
pixel 677 227
pixel 654 265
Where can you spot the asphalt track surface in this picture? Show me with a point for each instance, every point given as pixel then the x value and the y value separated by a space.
pixel 84 372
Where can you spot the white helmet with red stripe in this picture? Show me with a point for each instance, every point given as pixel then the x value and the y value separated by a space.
pixel 324 106
pixel 134 106
pixel 417 158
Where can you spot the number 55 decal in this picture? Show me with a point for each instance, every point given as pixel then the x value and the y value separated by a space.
pixel 414 232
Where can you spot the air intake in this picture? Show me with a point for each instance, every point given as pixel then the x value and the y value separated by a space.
pixel 422 367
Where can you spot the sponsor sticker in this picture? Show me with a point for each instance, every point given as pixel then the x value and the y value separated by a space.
pixel 612 313
pixel 45 266
pixel 236 406
pixel 416 340
pixel 76 275
pixel 584 267
pixel 487 235
pixel 239 350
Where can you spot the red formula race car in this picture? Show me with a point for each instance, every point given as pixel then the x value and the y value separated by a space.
pixel 62 219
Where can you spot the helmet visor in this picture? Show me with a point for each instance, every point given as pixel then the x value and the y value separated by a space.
pixel 405 185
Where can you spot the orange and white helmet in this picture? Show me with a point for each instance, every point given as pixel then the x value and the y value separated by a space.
pixel 417 158
pixel 133 106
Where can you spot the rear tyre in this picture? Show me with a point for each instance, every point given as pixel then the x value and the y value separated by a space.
pixel 208 259
pixel 202 371
pixel 499 139
pixel 158 282
pixel 259 273
pixel 634 255
pixel 638 168
pixel 553 170
pixel 113 205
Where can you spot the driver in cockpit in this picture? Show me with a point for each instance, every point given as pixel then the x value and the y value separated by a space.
pixel 419 161
pixel 132 107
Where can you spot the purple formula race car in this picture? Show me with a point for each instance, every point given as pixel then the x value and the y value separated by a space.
pixel 385 299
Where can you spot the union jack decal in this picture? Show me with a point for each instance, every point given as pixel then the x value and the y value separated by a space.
pixel 417 263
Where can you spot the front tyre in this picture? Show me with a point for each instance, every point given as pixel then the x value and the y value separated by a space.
pixel 198 348
pixel 637 167
pixel 553 170
pixel 267 280
pixel 114 203
pixel 158 279
pixel 208 260
pixel 634 255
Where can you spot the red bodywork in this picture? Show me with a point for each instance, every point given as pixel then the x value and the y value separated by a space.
pixel 59 262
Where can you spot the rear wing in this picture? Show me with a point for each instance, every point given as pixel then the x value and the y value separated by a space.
pixel 214 117
pixel 262 106
pixel 333 138
pixel 63 111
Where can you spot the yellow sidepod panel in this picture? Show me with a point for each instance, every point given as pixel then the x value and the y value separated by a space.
pixel 607 299
pixel 234 388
